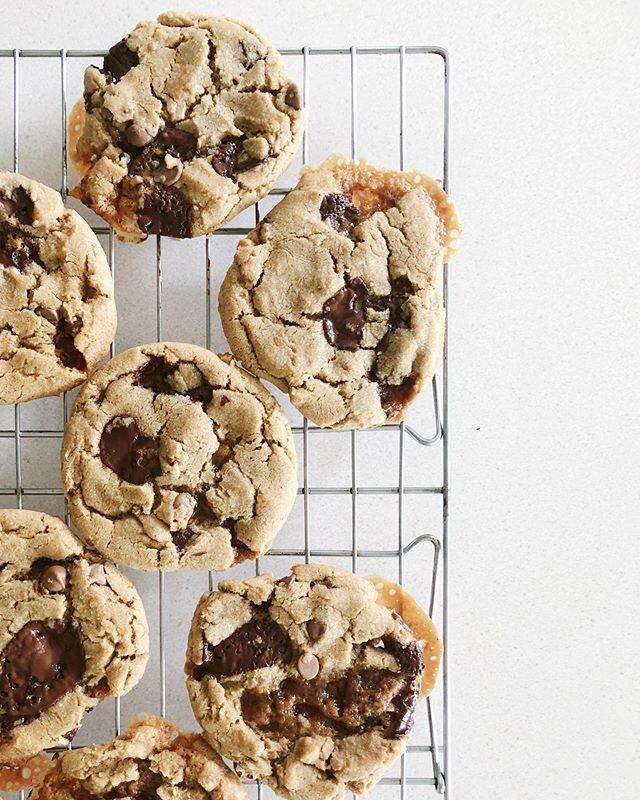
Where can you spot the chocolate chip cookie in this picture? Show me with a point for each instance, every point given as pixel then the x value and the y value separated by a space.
pixel 175 458
pixel 336 296
pixel 57 313
pixel 72 632
pixel 189 121
pixel 306 682
pixel 152 759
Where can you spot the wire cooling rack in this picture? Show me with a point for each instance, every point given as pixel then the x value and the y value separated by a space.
pixel 374 501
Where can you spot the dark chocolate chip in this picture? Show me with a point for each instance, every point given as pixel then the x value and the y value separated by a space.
pixel 130 454
pixel 242 551
pixel 261 642
pixel 166 210
pixel 41 662
pixel 339 212
pixel 293 98
pixel 356 702
pixel 315 629
pixel 120 60
pixel 148 157
pixel 225 158
pixel 6 259
pixel 155 375
pixel 395 398
pixel 53 579
pixel 181 539
pixel 230 158
pixel 50 314
pixel 344 316
pixel 70 735
pixel 19 205
pixel 65 346
pixel 177 142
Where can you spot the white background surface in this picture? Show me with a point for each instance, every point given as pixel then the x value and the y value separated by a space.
pixel 544 353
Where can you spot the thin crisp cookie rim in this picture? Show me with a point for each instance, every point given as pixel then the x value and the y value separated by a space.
pixel 361 171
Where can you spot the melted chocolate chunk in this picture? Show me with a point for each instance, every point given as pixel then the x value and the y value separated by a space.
pixel 167 211
pixel 145 787
pixel 181 539
pixel 125 450
pixel 344 316
pixel 229 158
pixel 395 397
pixel 155 375
pixel 170 140
pixel 225 158
pixel 65 346
pixel 293 98
pixel 41 663
pixel 177 142
pixel 343 706
pixel 119 61
pixel 259 643
pixel 339 212
pixel 243 551
pixel 6 259
pixel 19 205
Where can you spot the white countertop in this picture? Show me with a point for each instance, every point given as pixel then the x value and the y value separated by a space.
pixel 544 365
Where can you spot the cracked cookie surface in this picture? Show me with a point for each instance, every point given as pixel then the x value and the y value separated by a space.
pixel 72 632
pixel 152 758
pixel 305 682
pixel 336 296
pixel 190 120
pixel 175 459
pixel 57 312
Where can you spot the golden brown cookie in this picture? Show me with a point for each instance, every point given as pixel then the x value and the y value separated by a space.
pixel 57 312
pixel 72 632
pixel 336 296
pixel 176 459
pixel 190 120
pixel 307 682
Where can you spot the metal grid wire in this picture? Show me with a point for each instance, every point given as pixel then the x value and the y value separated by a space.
pixel 433 754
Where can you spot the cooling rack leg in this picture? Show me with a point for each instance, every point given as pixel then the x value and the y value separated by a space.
pixel 445 788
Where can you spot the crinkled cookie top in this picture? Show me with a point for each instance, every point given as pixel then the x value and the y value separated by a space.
pixel 57 312
pixel 175 459
pixel 336 296
pixel 190 120
pixel 152 758
pixel 305 682
pixel 72 631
